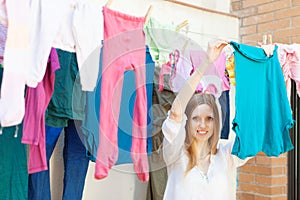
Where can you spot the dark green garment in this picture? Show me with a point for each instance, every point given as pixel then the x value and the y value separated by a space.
pixel 162 102
pixel 68 99
pixel 13 165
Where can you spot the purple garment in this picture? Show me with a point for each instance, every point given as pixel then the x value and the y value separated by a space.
pixel 36 102
pixel 3 34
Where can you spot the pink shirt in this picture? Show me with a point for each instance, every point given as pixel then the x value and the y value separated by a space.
pixel 37 100
pixel 289 58
pixel 214 80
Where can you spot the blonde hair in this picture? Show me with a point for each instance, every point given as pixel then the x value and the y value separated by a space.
pixel 191 147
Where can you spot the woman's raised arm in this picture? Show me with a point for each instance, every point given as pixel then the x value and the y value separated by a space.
pixel 186 92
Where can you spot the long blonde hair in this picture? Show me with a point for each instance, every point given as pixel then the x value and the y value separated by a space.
pixel 191 147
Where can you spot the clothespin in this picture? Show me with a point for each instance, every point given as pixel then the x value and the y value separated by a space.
pixel 267 39
pixel 147 16
pixel 187 28
pixel 108 3
pixel 267 45
pixel 270 39
pixel 264 42
pixel 182 24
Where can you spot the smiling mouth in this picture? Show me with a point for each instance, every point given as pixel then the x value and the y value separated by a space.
pixel 201 132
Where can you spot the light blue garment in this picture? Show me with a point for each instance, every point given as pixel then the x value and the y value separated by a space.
pixel 263 115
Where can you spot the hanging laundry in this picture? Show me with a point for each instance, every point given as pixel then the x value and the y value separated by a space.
pixel 230 69
pixel 123 49
pixel 289 58
pixel 85 26
pixel 75 165
pixel 68 99
pixel 162 101
pixel 228 50
pixel 214 79
pixel 65 111
pixel 263 115
pixel 90 126
pixel 3 13
pixel 26 54
pixel 3 34
pixel 16 57
pixel 36 102
pixel 13 163
pixel 159 38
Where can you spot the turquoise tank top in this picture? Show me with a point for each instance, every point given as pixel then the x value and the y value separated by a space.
pixel 263 114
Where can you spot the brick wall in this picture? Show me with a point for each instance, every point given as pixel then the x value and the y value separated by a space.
pixel 264 178
pixel 281 18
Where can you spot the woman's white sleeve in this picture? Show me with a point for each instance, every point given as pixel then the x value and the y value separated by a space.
pixel 174 136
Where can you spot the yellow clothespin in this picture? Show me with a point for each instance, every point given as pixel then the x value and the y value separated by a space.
pixel 108 3
pixel 147 16
pixel 182 24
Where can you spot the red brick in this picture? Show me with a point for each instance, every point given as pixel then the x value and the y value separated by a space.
pixel 287 32
pixel 248 30
pixel 278 170
pixel 263 180
pixel 273 6
pixel 247 178
pixel 286 40
pixel 295 39
pixel 292 12
pixel 262 160
pixel 236 5
pixel 252 40
pixel 271 197
pixel 274 25
pixel 262 170
pixel 263 190
pixel 280 180
pixel 245 196
pixel 252 11
pixel 279 161
pixel 272 190
pixel 251 161
pixel 263 198
pixel 296 2
pixel 295 21
pixel 248 3
pixel 271 180
pixel 257 19
pixel 250 188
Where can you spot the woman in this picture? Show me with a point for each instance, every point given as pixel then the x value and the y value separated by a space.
pixel 197 169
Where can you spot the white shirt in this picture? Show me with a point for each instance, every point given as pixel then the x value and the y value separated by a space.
pixel 45 24
pixel 220 181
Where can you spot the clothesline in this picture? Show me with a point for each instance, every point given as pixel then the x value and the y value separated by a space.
pixel 208 35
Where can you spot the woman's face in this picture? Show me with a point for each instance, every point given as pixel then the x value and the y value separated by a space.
pixel 201 125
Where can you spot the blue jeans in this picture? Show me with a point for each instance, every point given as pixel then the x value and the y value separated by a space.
pixel 75 165
pixel 225 107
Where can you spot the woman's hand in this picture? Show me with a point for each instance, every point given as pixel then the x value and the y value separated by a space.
pixel 183 97
pixel 214 49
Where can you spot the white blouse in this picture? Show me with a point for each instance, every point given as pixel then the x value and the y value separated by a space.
pixel 220 181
